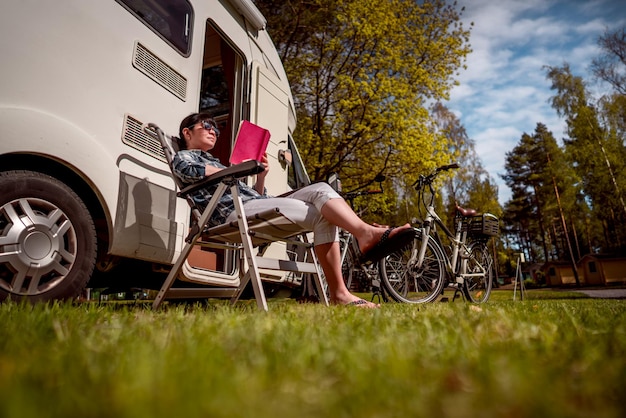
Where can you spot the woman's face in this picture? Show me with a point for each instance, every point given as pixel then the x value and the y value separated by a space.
pixel 202 135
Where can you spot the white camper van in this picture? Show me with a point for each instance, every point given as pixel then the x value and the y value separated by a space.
pixel 86 198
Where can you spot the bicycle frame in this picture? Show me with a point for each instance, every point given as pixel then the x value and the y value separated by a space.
pixel 457 257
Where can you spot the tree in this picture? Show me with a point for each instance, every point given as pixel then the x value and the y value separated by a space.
pixel 362 74
pixel 521 168
pixel 598 155
pixel 610 66
pixel 543 188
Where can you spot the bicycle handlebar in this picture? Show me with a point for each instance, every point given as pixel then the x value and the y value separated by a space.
pixel 422 181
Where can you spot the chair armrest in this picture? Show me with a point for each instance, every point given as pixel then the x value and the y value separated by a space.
pixel 246 168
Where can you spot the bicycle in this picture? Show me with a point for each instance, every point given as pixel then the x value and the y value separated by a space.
pixel 420 272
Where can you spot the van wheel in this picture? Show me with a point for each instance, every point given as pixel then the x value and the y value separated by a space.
pixel 47 238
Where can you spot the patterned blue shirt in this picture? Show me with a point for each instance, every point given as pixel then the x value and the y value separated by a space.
pixel 189 166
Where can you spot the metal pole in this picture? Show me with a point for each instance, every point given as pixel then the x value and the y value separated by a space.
pixel 518 276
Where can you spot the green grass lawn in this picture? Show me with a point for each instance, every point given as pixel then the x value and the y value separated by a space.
pixel 555 354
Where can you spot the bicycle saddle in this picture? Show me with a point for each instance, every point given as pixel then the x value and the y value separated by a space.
pixel 466 212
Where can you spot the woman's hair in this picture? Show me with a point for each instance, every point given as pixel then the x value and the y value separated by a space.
pixel 188 122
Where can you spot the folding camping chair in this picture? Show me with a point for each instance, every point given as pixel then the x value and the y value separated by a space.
pixel 246 235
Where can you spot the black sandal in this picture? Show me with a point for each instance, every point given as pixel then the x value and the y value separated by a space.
pixel 386 245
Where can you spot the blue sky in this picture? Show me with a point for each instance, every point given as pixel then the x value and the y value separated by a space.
pixel 504 91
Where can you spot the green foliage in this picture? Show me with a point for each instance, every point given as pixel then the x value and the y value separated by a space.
pixel 547 356
pixel 544 187
pixel 596 149
pixel 582 183
pixel 362 73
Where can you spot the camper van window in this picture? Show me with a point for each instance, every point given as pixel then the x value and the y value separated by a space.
pixel 297 176
pixel 170 19
pixel 214 94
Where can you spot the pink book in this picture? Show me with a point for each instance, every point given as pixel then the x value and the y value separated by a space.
pixel 250 144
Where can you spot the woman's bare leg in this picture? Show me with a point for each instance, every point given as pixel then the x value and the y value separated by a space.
pixel 339 213
pixel 329 256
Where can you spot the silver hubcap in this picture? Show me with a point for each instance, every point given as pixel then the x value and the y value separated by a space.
pixel 37 246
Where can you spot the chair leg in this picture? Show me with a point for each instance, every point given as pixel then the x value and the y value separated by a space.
pixel 250 264
pixel 169 281
pixel 190 242
pixel 244 278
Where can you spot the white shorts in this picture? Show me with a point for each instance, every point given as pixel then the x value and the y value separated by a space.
pixel 303 209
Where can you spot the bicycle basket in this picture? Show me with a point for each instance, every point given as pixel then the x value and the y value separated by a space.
pixel 483 225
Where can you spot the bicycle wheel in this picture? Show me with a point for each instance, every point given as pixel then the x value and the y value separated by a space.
pixel 408 283
pixel 478 288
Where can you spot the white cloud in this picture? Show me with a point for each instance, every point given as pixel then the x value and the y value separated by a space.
pixel 504 91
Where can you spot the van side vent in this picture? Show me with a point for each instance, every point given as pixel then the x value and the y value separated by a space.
pixel 155 68
pixel 135 137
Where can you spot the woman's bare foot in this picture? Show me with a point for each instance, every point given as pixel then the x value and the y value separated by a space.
pixel 359 303
pixel 348 299
pixel 362 303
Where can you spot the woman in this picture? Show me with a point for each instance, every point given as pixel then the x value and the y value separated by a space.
pixel 316 208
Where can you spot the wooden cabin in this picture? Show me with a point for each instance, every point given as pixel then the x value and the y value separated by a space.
pixel 603 269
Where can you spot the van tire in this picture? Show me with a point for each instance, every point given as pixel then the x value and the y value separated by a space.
pixel 43 223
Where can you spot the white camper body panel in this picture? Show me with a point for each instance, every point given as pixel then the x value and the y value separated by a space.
pixel 79 78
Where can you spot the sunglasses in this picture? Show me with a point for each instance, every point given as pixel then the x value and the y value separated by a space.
pixel 208 125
